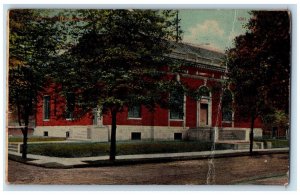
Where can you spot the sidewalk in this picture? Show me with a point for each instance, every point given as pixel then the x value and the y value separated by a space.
pixel 57 162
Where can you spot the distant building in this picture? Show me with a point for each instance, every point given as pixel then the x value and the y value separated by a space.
pixel 202 119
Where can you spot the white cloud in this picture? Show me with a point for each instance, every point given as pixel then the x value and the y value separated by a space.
pixel 210 28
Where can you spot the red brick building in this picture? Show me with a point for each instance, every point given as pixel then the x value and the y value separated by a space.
pixel 202 119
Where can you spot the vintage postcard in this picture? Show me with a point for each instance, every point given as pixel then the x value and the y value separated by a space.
pixel 143 96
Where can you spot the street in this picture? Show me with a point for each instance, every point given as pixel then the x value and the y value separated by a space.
pixel 260 169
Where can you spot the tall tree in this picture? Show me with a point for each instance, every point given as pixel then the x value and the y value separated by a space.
pixel 259 67
pixel 119 61
pixel 32 46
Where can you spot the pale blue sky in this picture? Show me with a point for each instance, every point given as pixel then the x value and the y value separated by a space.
pixel 213 28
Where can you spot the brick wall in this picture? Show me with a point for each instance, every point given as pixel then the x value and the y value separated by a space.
pixel 195 78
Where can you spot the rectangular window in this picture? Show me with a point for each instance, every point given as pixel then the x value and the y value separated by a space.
pixel 46 133
pixel 177 136
pixel 176 105
pixel 134 111
pixel 136 136
pixel 46 114
pixel 70 106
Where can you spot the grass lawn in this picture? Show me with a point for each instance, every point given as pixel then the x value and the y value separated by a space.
pixel 35 139
pixel 276 143
pixel 85 149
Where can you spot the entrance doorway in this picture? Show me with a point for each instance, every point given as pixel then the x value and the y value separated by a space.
pixel 203 114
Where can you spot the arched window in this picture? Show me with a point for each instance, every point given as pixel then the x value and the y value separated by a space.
pixel 203 91
pixel 227 105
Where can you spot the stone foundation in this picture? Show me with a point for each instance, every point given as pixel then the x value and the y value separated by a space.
pixel 130 132
pixel 124 132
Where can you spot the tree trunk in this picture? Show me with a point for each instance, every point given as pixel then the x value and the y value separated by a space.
pixel 251 134
pixel 25 135
pixel 112 154
pixel 24 130
pixel 24 145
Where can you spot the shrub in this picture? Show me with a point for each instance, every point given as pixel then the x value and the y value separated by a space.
pixel 276 143
pixel 69 149
pixel 85 149
pixel 36 139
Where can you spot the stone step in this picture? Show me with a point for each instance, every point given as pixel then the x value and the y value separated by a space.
pixel 227 135
pixel 201 133
pixel 13 147
pixel 242 146
pixel 79 135
pixel 231 135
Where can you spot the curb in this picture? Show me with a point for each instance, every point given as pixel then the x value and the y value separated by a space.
pixel 124 162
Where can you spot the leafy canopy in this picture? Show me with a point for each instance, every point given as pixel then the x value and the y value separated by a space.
pixel 259 65
pixel 120 58
pixel 33 43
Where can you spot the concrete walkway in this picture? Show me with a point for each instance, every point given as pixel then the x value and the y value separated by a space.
pixel 57 162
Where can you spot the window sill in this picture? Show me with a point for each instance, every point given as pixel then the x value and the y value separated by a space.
pixel 46 120
pixel 69 119
pixel 226 121
pixel 176 119
pixel 132 118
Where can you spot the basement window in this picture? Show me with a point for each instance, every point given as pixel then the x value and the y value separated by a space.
pixel 46 133
pixel 177 136
pixel 136 136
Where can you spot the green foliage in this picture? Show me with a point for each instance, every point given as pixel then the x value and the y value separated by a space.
pixel 69 149
pixel 119 58
pixel 123 148
pixel 259 65
pixel 276 118
pixel 276 143
pixel 36 139
pixel 280 143
pixel 33 42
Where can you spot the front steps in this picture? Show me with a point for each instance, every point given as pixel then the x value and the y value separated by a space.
pixel 200 133
pixel 231 135
pixel 91 133
pixel 14 147
pixel 79 136
pixel 243 145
